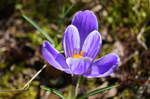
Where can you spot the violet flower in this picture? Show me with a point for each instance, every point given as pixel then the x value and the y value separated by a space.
pixel 81 44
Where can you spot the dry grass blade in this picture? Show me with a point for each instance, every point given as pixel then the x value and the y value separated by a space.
pixel 26 86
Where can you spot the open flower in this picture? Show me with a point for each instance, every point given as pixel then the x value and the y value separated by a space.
pixel 81 44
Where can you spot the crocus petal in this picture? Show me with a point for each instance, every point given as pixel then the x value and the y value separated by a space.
pixel 78 66
pixel 86 22
pixel 53 57
pixel 71 41
pixel 92 44
pixel 104 66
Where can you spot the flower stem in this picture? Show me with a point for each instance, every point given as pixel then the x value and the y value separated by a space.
pixel 77 86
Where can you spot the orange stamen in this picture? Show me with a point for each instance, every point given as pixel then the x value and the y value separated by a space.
pixel 77 55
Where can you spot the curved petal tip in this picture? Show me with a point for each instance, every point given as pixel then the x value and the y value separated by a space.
pixel 104 66
pixel 86 22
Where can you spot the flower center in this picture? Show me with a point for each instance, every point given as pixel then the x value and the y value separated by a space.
pixel 77 55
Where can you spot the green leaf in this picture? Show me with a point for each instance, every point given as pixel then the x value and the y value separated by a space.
pixel 58 93
pixel 45 34
pixel 98 91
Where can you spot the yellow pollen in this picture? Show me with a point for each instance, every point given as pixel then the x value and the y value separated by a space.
pixel 77 55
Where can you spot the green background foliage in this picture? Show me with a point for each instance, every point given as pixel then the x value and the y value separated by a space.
pixel 123 24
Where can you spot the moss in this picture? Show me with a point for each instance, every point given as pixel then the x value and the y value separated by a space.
pixel 127 94
pixel 3 65
pixel 31 93
pixel 4 84
pixel 35 38
pixel 106 49
pixel 15 80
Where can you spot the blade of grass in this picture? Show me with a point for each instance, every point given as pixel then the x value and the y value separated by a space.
pixel 45 34
pixel 68 10
pixel 53 91
pixel 98 91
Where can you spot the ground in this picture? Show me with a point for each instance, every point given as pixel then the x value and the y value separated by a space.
pixel 125 29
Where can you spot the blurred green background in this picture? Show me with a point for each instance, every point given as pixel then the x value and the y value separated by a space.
pixel 123 24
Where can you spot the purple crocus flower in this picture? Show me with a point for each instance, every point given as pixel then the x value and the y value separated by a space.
pixel 81 44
